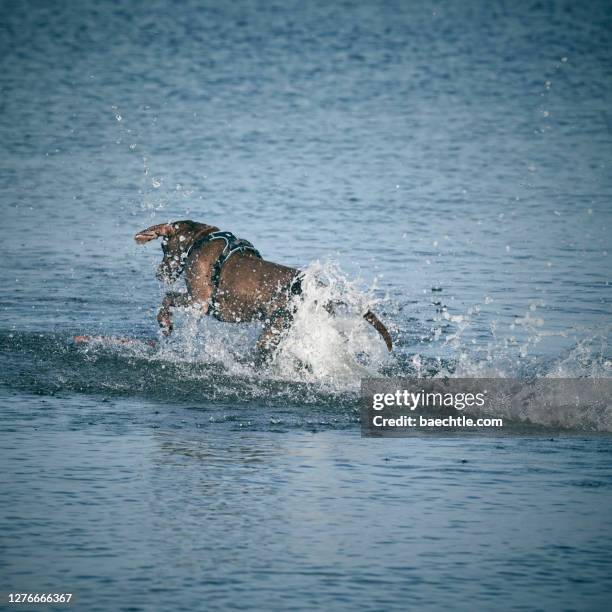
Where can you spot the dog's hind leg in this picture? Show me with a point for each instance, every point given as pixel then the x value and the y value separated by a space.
pixel 282 308
pixel 273 332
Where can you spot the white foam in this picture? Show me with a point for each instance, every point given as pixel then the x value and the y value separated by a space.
pixel 336 350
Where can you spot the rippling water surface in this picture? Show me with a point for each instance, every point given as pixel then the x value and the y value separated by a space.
pixel 447 165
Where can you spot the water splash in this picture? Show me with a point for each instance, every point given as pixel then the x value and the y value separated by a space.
pixel 320 359
pixel 331 351
pixel 335 350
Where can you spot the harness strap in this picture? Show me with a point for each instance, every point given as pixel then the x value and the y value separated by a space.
pixel 232 245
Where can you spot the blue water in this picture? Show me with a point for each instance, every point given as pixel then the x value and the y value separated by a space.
pixel 446 163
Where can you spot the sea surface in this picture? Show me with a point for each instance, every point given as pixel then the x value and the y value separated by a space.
pixel 447 165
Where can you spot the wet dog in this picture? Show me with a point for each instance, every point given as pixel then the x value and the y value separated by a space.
pixel 227 278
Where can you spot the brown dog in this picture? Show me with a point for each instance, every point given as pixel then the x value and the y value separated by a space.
pixel 228 279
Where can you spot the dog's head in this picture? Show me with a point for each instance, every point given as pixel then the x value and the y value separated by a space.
pixel 177 238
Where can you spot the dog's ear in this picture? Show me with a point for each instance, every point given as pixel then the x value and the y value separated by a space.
pixel 153 232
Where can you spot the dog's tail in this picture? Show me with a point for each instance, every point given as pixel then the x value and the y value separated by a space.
pixel 370 317
pixel 376 323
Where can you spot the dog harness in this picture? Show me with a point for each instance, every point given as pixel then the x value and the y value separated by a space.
pixel 232 245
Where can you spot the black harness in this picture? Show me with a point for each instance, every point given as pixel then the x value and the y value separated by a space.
pixel 232 245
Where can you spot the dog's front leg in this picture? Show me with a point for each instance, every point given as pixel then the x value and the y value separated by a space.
pixel 172 299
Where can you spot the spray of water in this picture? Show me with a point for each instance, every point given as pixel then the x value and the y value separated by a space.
pixel 325 356
pixel 333 351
